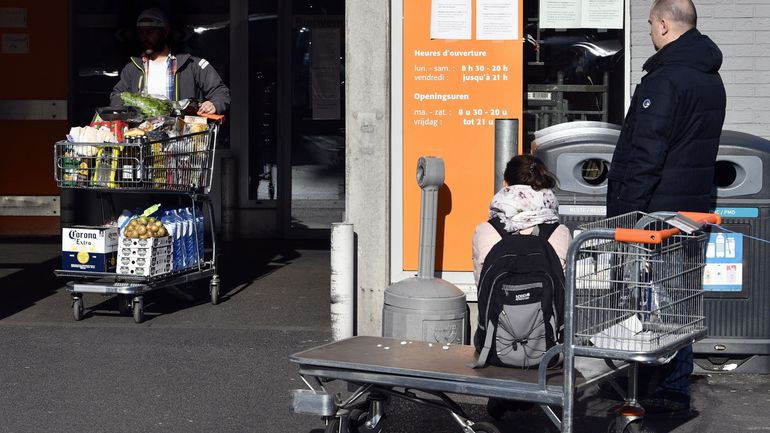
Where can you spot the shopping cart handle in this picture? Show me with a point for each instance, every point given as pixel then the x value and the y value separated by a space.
pixel 703 218
pixel 218 118
pixel 644 236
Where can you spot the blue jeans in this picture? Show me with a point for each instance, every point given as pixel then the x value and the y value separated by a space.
pixel 671 381
pixel 677 381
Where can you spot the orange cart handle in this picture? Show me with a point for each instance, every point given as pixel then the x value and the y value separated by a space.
pixel 644 236
pixel 703 218
pixel 218 118
pixel 658 236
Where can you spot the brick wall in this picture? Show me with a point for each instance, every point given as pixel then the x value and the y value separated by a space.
pixel 741 28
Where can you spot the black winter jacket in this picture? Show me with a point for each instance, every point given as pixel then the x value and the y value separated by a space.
pixel 665 156
pixel 195 78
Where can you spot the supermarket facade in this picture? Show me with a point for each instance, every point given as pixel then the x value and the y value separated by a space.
pixel 333 101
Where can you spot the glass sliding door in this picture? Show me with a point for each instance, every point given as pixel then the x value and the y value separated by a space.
pixel 263 106
pixel 317 114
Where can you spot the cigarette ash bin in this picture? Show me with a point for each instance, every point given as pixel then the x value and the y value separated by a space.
pixel 426 308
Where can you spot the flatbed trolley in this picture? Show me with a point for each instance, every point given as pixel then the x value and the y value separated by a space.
pixel 181 165
pixel 634 294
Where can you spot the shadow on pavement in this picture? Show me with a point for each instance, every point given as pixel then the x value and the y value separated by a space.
pixel 240 263
pixel 31 283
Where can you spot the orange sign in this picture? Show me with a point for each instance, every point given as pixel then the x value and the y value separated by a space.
pixel 453 91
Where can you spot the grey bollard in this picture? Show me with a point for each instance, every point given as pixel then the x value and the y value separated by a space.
pixel 506 147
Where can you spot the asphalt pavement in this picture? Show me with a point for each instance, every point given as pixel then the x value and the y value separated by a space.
pixel 197 367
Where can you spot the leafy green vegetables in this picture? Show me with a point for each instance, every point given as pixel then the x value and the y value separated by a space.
pixel 149 106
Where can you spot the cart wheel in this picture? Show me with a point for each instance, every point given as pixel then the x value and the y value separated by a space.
pixel 631 427
pixel 484 427
pixel 357 422
pixel 138 309
pixel 333 426
pixel 77 308
pixel 124 305
pixel 214 290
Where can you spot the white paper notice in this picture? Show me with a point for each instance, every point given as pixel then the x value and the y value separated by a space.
pixel 559 14
pixel 497 19
pixel 450 19
pixel 573 14
pixel 602 14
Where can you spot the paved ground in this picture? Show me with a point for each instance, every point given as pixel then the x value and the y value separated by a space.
pixel 196 367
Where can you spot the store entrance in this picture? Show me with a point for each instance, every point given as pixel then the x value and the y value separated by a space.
pixel 317 116
pixel 283 62
pixel 297 156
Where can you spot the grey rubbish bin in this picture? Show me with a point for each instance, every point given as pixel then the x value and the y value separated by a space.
pixel 579 154
pixel 737 273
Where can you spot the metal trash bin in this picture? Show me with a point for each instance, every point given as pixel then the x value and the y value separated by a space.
pixel 737 275
pixel 579 154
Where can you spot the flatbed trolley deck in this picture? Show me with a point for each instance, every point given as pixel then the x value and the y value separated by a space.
pixel 180 165
pixel 634 295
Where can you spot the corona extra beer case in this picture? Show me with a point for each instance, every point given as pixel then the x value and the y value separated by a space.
pixel 89 248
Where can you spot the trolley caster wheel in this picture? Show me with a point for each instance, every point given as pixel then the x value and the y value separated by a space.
pixel 484 427
pixel 333 426
pixel 338 424
pixel 124 305
pixel 77 308
pixel 631 427
pixel 359 422
pixel 214 290
pixel 138 305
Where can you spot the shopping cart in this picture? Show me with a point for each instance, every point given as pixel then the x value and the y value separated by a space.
pixel 633 294
pixel 181 165
pixel 639 295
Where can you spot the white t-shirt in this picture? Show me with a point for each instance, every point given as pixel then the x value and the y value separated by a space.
pixel 157 79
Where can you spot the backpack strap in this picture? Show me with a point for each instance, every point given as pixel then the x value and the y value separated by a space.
pixel 499 226
pixel 484 354
pixel 545 230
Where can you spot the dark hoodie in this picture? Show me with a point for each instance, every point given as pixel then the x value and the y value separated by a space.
pixel 665 156
pixel 195 78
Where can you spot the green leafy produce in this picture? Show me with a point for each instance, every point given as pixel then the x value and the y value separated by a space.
pixel 149 106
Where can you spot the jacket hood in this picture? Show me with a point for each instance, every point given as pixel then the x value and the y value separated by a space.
pixel 692 49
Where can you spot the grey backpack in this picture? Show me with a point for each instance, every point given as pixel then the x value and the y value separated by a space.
pixel 520 300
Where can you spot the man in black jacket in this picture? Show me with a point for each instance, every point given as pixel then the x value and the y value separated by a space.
pixel 159 72
pixel 665 156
